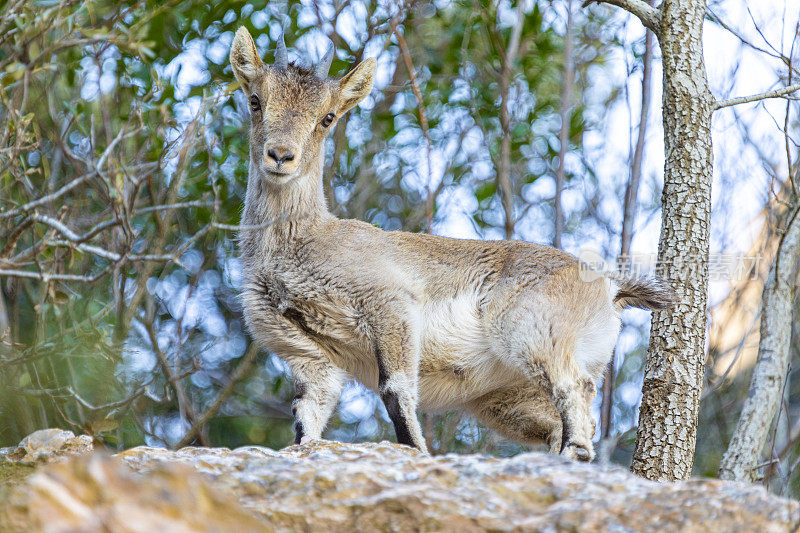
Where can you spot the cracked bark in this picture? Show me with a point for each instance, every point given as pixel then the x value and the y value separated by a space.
pixel 675 364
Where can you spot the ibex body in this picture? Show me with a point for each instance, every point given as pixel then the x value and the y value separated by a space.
pixel 508 330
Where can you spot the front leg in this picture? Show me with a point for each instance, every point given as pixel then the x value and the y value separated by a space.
pixel 317 385
pixel 396 345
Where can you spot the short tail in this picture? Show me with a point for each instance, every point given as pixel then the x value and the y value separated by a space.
pixel 644 293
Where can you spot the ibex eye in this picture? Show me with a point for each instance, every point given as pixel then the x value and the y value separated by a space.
pixel 327 120
pixel 255 103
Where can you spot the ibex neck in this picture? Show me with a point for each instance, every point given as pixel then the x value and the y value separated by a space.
pixel 274 213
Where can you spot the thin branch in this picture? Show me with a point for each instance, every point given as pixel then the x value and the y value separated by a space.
pixel 712 16
pixel 75 241
pixel 629 217
pixel 649 15
pixel 184 404
pixel 112 405
pixel 48 276
pixel 77 181
pixel 423 122
pixel 567 81
pixel 786 117
pixel 56 225
pixel 167 207
pixel 49 198
pixel 777 93
pixel 14 237
pixel 503 170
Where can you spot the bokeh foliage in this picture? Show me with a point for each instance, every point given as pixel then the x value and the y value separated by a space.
pixel 120 125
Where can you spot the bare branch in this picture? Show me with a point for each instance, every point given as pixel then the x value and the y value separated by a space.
pixel 49 198
pixel 567 81
pixel 712 16
pixel 167 207
pixel 649 15
pixel 112 405
pixel 777 93
pixel 503 169
pixel 174 380
pixel 74 183
pixel 48 276
pixel 628 219
pixel 56 225
pixel 238 375
pixel 423 122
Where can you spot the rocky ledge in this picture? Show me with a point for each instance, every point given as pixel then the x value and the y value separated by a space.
pixel 53 482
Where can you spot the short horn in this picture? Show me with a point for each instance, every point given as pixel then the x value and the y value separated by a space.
pixel 281 55
pixel 321 71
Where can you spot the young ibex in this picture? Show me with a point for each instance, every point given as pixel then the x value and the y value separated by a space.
pixel 508 330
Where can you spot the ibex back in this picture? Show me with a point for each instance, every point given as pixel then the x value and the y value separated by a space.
pixel 510 331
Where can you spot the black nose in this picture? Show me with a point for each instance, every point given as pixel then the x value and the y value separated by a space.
pixel 280 154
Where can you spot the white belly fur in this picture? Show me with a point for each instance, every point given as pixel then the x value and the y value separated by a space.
pixel 457 364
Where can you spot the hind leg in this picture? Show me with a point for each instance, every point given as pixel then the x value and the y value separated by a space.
pixel 524 413
pixel 539 339
pixel 396 346
pixel 572 395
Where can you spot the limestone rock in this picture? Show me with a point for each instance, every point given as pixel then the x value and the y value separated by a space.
pixel 330 486
pixel 47 445
pixel 98 494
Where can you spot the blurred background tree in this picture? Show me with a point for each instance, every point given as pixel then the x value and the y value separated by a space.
pixel 123 166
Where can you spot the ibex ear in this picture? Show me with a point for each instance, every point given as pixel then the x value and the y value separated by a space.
pixel 244 58
pixel 356 85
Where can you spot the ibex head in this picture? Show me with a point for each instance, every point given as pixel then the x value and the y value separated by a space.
pixel 292 109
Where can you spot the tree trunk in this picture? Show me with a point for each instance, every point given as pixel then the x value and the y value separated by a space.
pixel 504 185
pixel 563 134
pixel 774 350
pixel 629 214
pixel 632 188
pixel 676 360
